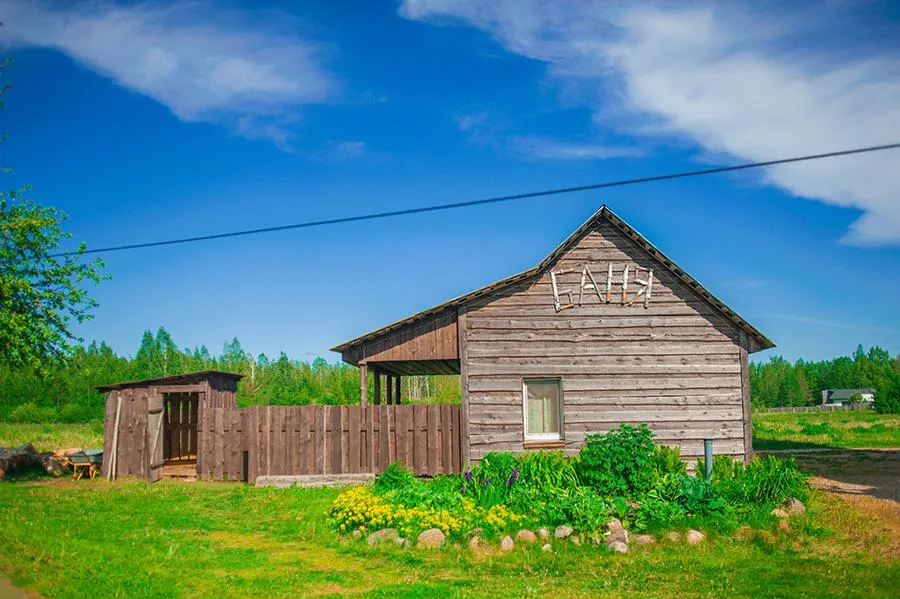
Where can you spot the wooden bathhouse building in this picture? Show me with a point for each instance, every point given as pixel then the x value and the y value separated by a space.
pixel 605 330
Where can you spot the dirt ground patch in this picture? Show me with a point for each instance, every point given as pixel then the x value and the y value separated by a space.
pixel 866 479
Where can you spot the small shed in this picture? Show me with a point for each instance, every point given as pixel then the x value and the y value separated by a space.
pixel 150 426
pixel 605 330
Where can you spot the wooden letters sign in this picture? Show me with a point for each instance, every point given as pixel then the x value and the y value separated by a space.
pixel 605 293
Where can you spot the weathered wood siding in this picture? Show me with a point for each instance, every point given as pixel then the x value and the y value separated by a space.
pixel 676 364
pixel 296 440
pixel 431 339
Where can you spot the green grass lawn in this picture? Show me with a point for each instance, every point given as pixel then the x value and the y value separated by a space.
pixel 47 437
pixel 825 429
pixel 92 539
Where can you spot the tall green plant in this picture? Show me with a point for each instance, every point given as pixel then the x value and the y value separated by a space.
pixel 618 463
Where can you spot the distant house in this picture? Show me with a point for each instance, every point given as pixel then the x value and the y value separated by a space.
pixel 842 397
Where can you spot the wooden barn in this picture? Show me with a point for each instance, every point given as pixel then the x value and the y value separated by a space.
pixel 605 330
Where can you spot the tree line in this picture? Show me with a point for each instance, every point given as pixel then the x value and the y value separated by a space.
pixel 63 391
pixel 778 383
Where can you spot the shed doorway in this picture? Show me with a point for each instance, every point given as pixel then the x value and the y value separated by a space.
pixel 180 434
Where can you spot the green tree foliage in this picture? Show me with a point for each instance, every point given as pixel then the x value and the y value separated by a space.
pixel 63 391
pixel 41 295
pixel 778 383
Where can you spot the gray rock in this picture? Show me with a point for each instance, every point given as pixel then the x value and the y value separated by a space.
pixel 617 536
pixel 475 542
pixel 794 507
pixel 618 547
pixel 357 535
pixel 674 537
pixel 384 535
pixel 402 542
pixel 695 537
pixel 563 531
pixel 431 538
pixel 780 513
pixel 614 525
pixel 526 536
pixel 547 548
pixel 544 533
pixel 644 540
pixel 576 539
pixel 507 545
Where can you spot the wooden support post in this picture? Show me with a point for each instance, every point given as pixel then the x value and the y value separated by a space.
pixel 377 376
pixel 363 383
pixel 389 396
pixel 397 392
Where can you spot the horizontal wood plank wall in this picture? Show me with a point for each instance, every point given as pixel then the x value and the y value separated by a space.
pixel 675 364
pixel 297 440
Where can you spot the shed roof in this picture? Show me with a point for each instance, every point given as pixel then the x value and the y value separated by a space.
pixel 848 393
pixel 178 379
pixel 604 213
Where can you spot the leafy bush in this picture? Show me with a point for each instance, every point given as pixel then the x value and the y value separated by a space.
pixel 395 477
pixel 667 460
pixel 29 412
pixel 619 462
pixel 698 496
pixel 656 515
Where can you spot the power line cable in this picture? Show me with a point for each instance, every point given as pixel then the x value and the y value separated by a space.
pixel 492 200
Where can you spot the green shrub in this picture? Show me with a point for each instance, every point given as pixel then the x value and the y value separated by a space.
pixel 396 477
pixel 548 471
pixel 667 460
pixel 31 413
pixel 765 481
pixel 698 496
pixel 619 462
pixel 657 515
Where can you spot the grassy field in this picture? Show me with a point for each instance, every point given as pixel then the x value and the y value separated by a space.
pixel 825 429
pixel 89 539
pixel 47 437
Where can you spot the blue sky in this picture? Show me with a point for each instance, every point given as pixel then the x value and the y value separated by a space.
pixel 155 121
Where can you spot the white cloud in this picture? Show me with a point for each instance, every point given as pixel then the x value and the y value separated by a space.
pixel 342 150
pixel 203 63
pixel 753 86
pixel 542 148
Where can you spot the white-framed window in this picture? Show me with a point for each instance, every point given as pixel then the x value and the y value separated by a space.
pixel 543 408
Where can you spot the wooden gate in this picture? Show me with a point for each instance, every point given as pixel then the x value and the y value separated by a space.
pixel 180 434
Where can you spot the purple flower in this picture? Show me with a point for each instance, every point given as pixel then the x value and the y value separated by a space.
pixel 468 476
pixel 487 481
pixel 462 489
pixel 512 477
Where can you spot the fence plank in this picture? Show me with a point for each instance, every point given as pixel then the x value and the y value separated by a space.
pixel 336 433
pixel 420 426
pixel 431 437
pixel 446 442
pixel 456 436
pixel 355 441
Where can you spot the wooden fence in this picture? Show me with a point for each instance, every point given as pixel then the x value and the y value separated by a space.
pixel 243 443
pixel 816 408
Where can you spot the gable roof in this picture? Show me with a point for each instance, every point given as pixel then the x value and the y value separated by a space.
pixel 178 379
pixel 603 214
pixel 847 393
